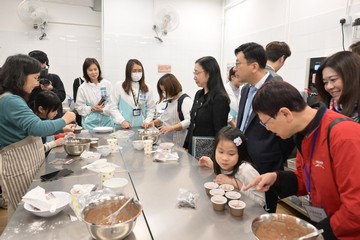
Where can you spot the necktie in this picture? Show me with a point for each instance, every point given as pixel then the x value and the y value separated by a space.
pixel 247 109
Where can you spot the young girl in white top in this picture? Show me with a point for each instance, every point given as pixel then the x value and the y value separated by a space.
pixel 132 102
pixel 175 118
pixel 232 164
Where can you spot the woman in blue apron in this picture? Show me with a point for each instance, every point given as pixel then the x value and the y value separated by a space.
pixel 92 101
pixel 132 101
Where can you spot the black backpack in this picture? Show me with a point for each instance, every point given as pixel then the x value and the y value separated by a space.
pixel 180 101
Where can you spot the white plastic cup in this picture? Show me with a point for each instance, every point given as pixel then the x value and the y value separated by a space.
pixel 113 142
pixel 148 144
pixel 106 173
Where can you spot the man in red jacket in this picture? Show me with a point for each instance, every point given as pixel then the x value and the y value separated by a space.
pixel 327 163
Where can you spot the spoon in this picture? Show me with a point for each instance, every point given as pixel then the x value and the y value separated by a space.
pixel 312 234
pixel 100 161
pixel 112 216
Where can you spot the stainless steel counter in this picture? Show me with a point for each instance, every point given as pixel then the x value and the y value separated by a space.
pixel 156 185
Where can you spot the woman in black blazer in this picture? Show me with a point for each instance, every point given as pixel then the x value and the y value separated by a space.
pixel 210 109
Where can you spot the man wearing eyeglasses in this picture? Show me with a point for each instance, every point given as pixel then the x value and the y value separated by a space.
pixel 267 151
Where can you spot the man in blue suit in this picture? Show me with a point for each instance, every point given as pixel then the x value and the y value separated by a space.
pixel 267 151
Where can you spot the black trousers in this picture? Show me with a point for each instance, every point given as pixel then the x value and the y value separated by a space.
pixel 271 198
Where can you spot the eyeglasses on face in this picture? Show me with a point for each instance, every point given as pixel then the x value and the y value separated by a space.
pixel 266 122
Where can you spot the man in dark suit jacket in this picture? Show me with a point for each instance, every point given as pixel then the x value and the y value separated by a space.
pixel 267 151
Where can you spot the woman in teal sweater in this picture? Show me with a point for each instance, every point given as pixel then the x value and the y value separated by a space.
pixel 21 148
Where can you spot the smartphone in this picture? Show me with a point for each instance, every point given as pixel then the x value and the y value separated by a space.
pixel 102 100
pixel 56 175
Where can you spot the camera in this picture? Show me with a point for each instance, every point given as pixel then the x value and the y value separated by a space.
pixel 44 81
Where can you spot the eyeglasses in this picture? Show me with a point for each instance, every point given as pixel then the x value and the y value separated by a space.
pixel 266 122
pixel 197 73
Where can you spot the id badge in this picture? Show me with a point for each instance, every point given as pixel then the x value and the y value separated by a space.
pixel 136 112
pixel 316 214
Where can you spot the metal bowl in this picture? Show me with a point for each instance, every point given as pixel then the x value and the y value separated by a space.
pixel 151 133
pixel 76 146
pixel 281 226
pixel 101 209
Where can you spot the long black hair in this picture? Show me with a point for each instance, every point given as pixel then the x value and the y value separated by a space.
pixel 215 83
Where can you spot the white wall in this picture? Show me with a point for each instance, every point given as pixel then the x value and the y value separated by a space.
pixel 128 34
pixel 311 28
pixel 73 33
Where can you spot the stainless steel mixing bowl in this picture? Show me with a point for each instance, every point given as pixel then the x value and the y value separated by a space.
pixel 76 146
pixel 291 222
pixel 114 231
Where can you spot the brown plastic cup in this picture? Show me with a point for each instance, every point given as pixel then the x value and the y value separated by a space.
pixel 237 207
pixel 232 195
pixel 77 130
pixel 218 202
pixel 210 185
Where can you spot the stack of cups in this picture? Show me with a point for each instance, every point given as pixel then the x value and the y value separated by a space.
pixel 113 142
pixel 148 147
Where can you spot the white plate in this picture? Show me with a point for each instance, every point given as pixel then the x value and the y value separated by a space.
pixel 102 129
pixel 63 199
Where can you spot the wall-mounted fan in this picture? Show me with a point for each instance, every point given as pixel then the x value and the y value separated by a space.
pixel 166 21
pixel 34 13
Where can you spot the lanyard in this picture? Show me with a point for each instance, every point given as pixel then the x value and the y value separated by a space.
pixel 136 101
pixel 308 173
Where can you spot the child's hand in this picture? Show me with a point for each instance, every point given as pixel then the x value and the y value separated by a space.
pixel 223 179
pixel 59 141
pixel 206 162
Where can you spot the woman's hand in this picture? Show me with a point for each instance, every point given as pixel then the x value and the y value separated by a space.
pixel 224 179
pixel 205 161
pixel 146 125
pixel 263 182
pixel 125 124
pixel 166 129
pixel 69 128
pixel 69 117
pixel 97 108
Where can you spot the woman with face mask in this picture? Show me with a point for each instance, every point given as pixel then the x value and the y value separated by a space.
pixel 132 103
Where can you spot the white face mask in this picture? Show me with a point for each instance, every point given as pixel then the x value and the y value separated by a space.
pixel 136 76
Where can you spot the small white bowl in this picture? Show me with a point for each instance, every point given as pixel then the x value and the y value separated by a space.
pixel 90 157
pixel 62 202
pixel 104 150
pixel 138 144
pixel 116 184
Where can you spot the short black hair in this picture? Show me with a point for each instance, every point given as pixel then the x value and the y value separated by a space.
pixel 276 49
pixel 253 52
pixel 275 94
pixel 40 56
